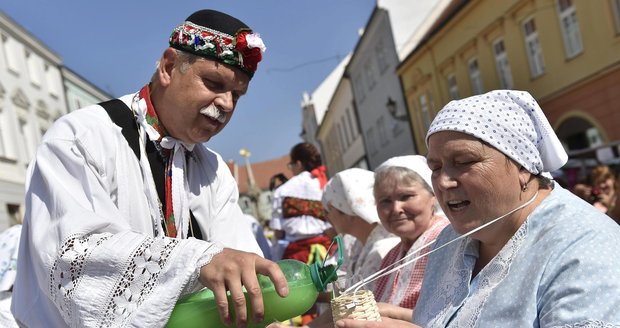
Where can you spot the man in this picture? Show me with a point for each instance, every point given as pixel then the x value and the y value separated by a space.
pixel 105 240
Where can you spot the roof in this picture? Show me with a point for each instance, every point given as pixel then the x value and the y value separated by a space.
pixel 447 14
pixel 425 24
pixel 406 17
pixel 262 171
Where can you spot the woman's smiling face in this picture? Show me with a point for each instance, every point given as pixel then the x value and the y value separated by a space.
pixel 474 182
pixel 405 209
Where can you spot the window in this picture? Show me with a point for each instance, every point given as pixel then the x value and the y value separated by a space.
pixel 346 132
pixel 352 124
pixel 570 28
pixel 15 214
pixel 8 47
pixel 383 139
pixel 7 148
pixel 360 92
pixel 453 88
pixel 27 137
pixel 370 75
pixel 33 68
pixel 615 7
pixel 52 78
pixel 424 111
pixel 341 139
pixel 372 148
pixel 474 76
pixel 534 51
pixel 501 62
pixel 381 57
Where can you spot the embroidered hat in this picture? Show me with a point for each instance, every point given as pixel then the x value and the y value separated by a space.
pixel 216 35
pixel 350 191
pixel 509 120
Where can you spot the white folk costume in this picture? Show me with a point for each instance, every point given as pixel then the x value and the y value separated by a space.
pixel 351 192
pixel 297 210
pixel 93 251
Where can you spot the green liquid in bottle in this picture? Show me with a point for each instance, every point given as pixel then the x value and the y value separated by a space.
pixel 199 310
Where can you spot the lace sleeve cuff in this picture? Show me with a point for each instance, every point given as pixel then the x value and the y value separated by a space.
pixel 204 259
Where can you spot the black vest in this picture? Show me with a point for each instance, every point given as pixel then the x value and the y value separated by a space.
pixel 122 116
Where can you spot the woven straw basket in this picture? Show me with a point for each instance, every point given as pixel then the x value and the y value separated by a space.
pixel 359 306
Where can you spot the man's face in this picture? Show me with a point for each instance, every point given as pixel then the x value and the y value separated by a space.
pixel 197 102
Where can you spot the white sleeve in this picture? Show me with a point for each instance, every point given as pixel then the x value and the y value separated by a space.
pixel 225 222
pixel 81 264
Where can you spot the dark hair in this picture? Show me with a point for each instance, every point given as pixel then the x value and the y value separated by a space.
pixel 273 182
pixel 307 154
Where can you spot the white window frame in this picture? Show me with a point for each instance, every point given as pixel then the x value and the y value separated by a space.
pixel 341 137
pixel 474 76
pixel 615 8
pixel 25 129
pixel 453 87
pixel 351 122
pixel 570 27
pixel 504 73
pixel 33 68
pixel 52 79
pixel 534 50
pixel 346 132
pixel 10 54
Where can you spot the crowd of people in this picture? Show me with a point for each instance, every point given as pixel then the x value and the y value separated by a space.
pixel 128 210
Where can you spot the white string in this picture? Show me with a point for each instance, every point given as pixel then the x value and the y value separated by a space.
pixel 383 272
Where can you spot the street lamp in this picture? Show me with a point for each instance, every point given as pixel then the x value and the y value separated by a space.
pixel 252 188
pixel 391 106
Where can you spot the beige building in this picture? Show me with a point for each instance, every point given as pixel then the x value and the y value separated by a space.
pixel 565 52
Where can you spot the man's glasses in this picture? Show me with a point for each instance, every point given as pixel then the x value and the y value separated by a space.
pixel 290 165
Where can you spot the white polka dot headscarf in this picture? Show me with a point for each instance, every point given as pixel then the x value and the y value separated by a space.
pixel 509 120
pixel 350 191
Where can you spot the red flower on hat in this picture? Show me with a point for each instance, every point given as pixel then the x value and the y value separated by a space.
pixel 251 56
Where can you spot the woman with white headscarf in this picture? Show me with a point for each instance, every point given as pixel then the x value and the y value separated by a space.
pixel 408 208
pixel 350 205
pixel 521 251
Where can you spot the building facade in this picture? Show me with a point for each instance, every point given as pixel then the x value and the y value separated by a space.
pixel 31 98
pixel 339 133
pixel 566 53
pixel 79 92
pixel 35 90
pixel 376 88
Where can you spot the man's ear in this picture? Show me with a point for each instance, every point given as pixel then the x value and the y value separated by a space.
pixel 167 64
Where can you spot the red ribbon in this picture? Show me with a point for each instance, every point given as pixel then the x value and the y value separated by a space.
pixel 319 173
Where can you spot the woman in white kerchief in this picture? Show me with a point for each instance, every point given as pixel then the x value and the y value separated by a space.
pixel 350 205
pixel 520 251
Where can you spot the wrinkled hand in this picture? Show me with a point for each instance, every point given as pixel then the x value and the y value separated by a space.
pixel 232 269
pixel 394 311
pixel 384 323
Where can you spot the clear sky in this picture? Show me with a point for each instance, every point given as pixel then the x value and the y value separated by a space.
pixel 115 43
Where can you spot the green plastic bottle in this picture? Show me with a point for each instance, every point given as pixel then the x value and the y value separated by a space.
pixel 199 310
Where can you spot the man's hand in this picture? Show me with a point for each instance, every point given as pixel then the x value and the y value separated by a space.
pixel 232 269
pixel 385 322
